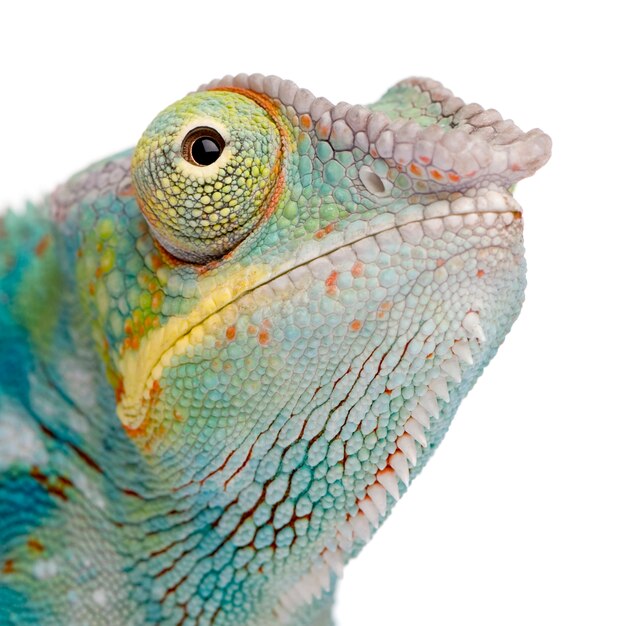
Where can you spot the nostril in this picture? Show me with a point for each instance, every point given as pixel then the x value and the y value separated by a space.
pixel 374 183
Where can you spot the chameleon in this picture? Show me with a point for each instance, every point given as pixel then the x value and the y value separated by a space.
pixel 226 352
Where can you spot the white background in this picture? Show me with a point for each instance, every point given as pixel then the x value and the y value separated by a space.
pixel 519 518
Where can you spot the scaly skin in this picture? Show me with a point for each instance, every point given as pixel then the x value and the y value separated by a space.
pixel 216 380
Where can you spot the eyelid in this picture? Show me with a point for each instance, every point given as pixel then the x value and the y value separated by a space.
pixel 204 122
pixel 195 172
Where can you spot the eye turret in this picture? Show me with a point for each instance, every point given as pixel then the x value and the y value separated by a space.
pixel 206 172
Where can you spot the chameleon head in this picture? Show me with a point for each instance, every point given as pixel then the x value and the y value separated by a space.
pixel 319 287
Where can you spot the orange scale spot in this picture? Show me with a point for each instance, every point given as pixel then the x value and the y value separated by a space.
pixel 480 273
pixel 92 289
pixel 374 152
pixel 157 300
pixel 470 174
pixel 267 323
pixel 8 567
pixel 99 247
pixel 65 481
pixel 424 159
pixel 119 390
pixel 156 261
pixel 357 269
pixel 430 356
pixel 356 325
pixel 140 431
pixel 388 391
pixel 98 272
pixel 440 262
pixel 515 167
pixel 436 174
pixel 305 121
pixel 415 169
pixel 38 475
pixel 42 245
pixel 331 283
pixel 58 491
pixel 127 190
pixel 324 231
pixel 455 178
pixel 35 545
pixel 252 330
pixel 264 337
pixel 231 332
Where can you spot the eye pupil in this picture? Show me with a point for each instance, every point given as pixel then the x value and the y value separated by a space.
pixel 205 151
pixel 203 146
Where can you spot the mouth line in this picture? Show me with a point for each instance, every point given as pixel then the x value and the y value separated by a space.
pixel 130 408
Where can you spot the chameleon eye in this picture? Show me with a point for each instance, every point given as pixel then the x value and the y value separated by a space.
pixel 202 146
pixel 207 171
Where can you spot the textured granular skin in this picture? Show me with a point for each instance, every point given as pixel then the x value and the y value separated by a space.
pixel 216 378
pixel 205 211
